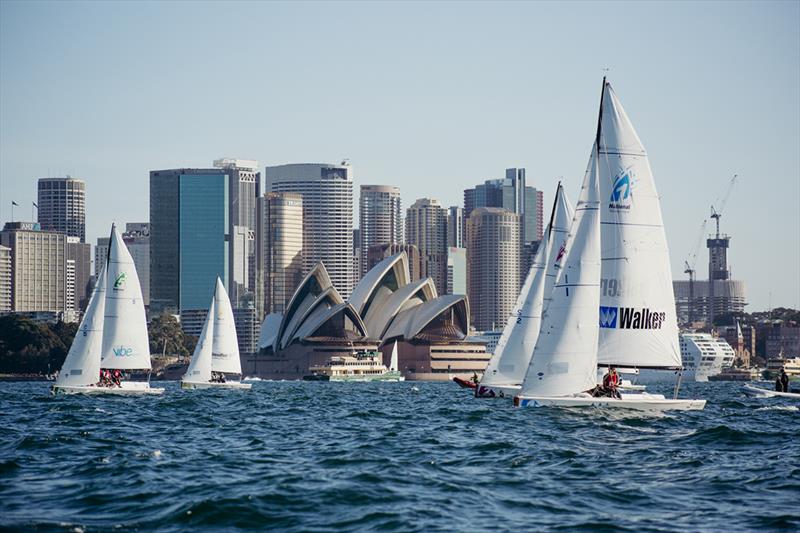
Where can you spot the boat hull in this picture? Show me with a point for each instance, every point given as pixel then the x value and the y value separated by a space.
pixel 635 402
pixel 367 378
pixel 766 393
pixel 191 385
pixel 498 391
pixel 128 388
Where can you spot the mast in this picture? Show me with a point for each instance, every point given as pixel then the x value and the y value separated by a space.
pixel 600 116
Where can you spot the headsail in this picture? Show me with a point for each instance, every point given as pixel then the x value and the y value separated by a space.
pixel 565 358
pixel 125 340
pixel 559 233
pixel 638 324
pixel 393 363
pixel 199 370
pixel 226 345
pixel 82 365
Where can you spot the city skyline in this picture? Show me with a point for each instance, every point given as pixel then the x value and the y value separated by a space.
pixel 92 113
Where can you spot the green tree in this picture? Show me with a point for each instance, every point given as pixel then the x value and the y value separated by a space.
pixel 165 330
pixel 27 346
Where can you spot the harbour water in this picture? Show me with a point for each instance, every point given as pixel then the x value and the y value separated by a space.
pixel 296 456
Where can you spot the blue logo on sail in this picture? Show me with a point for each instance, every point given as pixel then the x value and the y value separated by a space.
pixel 608 317
pixel 621 191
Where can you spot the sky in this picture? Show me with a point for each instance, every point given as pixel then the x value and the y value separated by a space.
pixel 431 97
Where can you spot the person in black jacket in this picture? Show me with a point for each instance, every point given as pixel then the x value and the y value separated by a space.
pixel 782 383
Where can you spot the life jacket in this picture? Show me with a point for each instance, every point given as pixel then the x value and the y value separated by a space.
pixel 611 380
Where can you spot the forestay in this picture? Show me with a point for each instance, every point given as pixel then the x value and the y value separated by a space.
pixel 638 324
pixel 225 349
pixel 199 370
pixel 125 340
pixel 82 365
pixel 565 358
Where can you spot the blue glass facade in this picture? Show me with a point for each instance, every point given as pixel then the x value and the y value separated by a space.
pixel 203 234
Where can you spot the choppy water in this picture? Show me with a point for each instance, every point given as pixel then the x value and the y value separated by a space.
pixel 391 457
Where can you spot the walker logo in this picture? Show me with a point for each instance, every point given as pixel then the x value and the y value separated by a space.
pixel 122 351
pixel 119 283
pixel 608 317
pixel 621 192
pixel 630 318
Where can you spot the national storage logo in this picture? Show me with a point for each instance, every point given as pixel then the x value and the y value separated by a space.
pixel 621 191
pixel 630 318
pixel 119 283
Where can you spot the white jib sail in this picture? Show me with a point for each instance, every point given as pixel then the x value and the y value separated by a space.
pixel 393 361
pixel 199 370
pixel 82 365
pixel 565 358
pixel 638 324
pixel 125 341
pixel 559 234
pixel 226 345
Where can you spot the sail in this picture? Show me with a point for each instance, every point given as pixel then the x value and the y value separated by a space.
pixel 513 351
pixel 82 365
pixel 125 340
pixel 565 358
pixel 559 233
pixel 393 362
pixel 199 370
pixel 226 345
pixel 638 322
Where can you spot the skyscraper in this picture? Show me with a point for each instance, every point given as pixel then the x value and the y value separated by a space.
pixel 327 192
pixel 426 227
pixel 493 261
pixel 279 250
pixel 380 219
pixel 5 278
pixel 456 270
pixel 79 271
pixel 455 227
pixel 62 206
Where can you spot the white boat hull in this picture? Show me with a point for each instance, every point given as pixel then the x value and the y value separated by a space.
pixel 127 388
pixel 766 393
pixel 215 385
pixel 636 402
pixel 498 391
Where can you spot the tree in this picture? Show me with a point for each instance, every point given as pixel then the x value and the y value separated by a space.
pixel 167 336
pixel 32 347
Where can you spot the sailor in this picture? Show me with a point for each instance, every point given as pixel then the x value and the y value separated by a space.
pixel 117 378
pixel 782 383
pixel 611 383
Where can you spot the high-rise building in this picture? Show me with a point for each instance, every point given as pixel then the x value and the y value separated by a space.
pixel 190 233
pixel 79 272
pixel 62 206
pixel 327 192
pixel 5 278
pixel 379 252
pixel 426 227
pixel 455 227
pixel 137 240
pixel 38 267
pixel 279 250
pixel 493 261
pixel 456 270
pixel 380 219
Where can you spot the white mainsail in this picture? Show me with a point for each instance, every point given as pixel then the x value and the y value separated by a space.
pixel 82 365
pixel 565 358
pixel 199 370
pixel 225 349
pixel 638 323
pixel 125 340
pixel 393 363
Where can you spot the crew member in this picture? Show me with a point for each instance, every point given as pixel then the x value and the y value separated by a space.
pixel 611 383
pixel 782 383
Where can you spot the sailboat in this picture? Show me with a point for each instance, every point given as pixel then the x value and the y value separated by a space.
pixel 217 350
pixel 113 332
pixel 609 228
pixel 506 369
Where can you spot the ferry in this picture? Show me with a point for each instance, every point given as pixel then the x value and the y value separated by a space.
pixel 702 355
pixel 359 366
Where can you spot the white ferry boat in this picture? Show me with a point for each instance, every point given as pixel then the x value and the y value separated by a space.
pixel 360 366
pixel 703 356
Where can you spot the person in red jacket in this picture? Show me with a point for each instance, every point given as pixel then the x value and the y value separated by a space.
pixel 611 383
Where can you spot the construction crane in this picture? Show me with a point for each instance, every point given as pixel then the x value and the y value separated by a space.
pixel 716 214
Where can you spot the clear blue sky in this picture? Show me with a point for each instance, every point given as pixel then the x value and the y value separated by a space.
pixel 431 97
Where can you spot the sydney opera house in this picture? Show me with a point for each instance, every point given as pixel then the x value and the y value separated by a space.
pixel 384 307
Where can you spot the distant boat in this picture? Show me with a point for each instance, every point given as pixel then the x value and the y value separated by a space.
pixel 766 393
pixel 113 332
pixel 631 290
pixel 217 351
pixel 360 366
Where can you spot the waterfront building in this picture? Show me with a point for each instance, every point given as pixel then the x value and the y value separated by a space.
pixel 279 250
pixel 782 340
pixel 493 265
pixel 426 228
pixel 734 336
pixel 38 267
pixel 379 252
pixel 455 227
pixel 327 192
pixel 79 273
pixel 5 279
pixel 729 296
pixel 456 270
pixel 380 220
pixel 62 206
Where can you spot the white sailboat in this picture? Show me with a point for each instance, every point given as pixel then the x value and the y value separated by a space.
pixel 113 333
pixel 563 369
pixel 217 350
pixel 506 369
